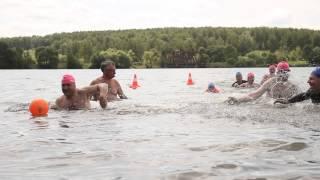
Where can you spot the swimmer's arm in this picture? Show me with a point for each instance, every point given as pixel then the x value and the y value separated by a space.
pixel 93 97
pixel 243 85
pixel 300 97
pixel 297 98
pixel 101 89
pixel 94 82
pixel 254 95
pixel 120 92
pixel 54 106
pixel 263 79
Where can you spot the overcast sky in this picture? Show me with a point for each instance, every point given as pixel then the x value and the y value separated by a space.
pixel 41 17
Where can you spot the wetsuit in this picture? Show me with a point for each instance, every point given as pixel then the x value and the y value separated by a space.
pixel 310 94
pixel 235 84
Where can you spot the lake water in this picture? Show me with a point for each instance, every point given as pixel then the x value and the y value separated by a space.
pixel 165 130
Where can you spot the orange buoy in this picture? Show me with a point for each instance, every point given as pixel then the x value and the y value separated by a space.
pixel 134 84
pixel 39 107
pixel 190 82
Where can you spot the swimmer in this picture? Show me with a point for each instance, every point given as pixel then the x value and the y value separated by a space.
pixel 312 93
pixel 272 73
pixel 212 88
pixel 276 87
pixel 109 70
pixel 239 80
pixel 74 99
pixel 250 83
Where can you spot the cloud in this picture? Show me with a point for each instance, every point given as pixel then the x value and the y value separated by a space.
pixel 40 17
pixel 280 17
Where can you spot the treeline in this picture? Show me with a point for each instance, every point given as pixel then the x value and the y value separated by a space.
pixel 166 47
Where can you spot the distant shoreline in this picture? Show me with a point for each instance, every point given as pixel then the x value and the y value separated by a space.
pixel 205 47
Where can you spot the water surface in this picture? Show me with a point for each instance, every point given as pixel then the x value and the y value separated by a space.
pixel 165 130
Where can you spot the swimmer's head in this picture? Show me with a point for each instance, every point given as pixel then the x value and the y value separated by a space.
pixel 283 70
pixel 250 77
pixel 272 69
pixel 211 86
pixel 316 72
pixel 239 76
pixel 108 68
pixel 314 79
pixel 283 66
pixel 68 85
pixel 67 79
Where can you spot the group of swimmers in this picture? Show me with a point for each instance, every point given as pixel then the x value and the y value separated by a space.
pixel 102 89
pixel 276 85
pixel 241 83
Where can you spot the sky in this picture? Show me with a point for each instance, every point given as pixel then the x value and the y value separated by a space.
pixel 42 17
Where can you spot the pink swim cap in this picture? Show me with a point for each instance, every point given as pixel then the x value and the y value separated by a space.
pixel 250 75
pixel 68 79
pixel 283 65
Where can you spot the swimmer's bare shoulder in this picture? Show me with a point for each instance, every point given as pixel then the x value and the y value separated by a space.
pixel 96 81
pixel 116 82
pixel 101 88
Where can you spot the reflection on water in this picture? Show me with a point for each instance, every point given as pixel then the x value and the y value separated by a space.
pixel 165 130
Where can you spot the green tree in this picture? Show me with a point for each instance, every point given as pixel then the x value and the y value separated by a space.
pixel 96 60
pixel 27 61
pixel 202 57
pixel 296 54
pixel 307 52
pixel 122 59
pixel 244 61
pixel 47 58
pixel 315 58
pixel 13 58
pixel 246 42
pixel 73 63
pixel 151 58
pixel 221 45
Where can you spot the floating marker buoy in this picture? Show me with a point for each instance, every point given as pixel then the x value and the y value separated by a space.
pixel 39 107
pixel 134 84
pixel 190 82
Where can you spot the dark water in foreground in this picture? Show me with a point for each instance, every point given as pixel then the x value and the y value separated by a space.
pixel 166 130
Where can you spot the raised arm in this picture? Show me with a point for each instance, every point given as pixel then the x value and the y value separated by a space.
pixel 95 96
pixel 101 89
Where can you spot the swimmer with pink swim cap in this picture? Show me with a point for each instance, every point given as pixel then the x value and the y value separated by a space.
pixel 250 82
pixel 73 98
pixel 67 79
pixel 312 93
pixel 276 87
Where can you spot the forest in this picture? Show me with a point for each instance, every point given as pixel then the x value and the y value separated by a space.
pixel 203 47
